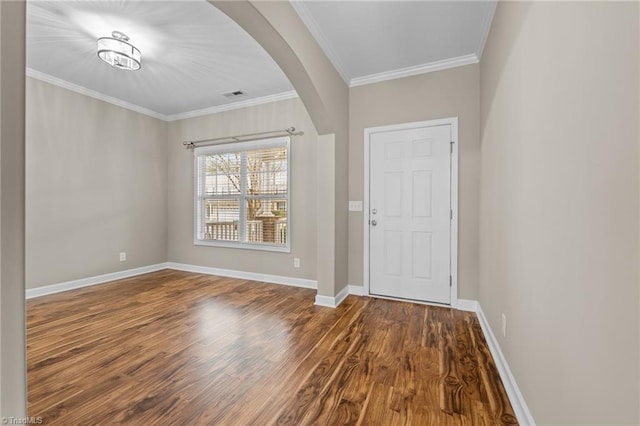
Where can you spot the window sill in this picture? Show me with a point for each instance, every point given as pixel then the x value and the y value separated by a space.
pixel 245 246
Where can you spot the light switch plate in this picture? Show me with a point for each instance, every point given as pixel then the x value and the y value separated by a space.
pixel 355 206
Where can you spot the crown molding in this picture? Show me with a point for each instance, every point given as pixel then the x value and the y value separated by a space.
pixel 236 105
pixel 415 70
pixel 92 93
pixel 486 28
pixel 313 27
pixel 132 107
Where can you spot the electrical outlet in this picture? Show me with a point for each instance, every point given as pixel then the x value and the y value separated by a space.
pixel 123 256
pixel 504 325
pixel 296 262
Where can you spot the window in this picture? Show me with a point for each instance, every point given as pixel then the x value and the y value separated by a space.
pixel 242 195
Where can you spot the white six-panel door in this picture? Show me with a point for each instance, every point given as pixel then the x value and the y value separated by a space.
pixel 410 214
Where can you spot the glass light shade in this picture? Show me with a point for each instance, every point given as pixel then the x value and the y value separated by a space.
pixel 118 53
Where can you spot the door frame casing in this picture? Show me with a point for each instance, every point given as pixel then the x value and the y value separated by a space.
pixel 453 255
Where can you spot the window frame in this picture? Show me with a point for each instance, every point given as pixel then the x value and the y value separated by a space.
pixel 198 200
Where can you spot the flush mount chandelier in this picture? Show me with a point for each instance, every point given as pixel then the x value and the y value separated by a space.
pixel 117 52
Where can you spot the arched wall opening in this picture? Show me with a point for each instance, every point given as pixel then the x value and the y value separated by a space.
pixel 278 29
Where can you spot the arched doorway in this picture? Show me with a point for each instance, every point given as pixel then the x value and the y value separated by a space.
pixel 278 29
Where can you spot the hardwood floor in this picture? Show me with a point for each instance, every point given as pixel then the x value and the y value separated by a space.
pixel 180 348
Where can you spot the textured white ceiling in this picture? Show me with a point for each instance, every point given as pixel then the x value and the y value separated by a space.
pixel 191 53
pixel 375 40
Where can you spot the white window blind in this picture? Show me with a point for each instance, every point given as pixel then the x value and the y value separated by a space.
pixel 242 195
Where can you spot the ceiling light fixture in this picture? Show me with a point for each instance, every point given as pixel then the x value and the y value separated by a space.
pixel 118 53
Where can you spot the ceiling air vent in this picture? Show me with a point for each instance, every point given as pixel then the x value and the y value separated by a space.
pixel 233 94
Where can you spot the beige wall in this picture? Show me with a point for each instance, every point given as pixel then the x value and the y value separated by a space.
pixel 96 186
pixel 559 205
pixel 93 192
pixel 12 149
pixel 449 93
pixel 267 117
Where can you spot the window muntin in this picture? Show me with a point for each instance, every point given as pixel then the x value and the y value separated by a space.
pixel 242 195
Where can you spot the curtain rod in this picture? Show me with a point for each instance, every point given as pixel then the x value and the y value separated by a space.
pixel 291 131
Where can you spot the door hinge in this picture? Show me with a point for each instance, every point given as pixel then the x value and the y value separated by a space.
pixel 451 147
pixel 451 214
pixel 450 281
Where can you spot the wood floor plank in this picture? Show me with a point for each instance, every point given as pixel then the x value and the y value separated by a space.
pixel 174 347
pixel 286 377
pixel 496 394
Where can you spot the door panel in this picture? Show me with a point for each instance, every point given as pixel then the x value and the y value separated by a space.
pixel 410 225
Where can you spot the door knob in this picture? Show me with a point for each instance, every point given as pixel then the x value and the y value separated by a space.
pixel 374 223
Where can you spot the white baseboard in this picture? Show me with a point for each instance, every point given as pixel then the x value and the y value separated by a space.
pixel 332 302
pixel 86 282
pixel 467 305
pixel 326 301
pixel 342 295
pixel 99 279
pixel 515 396
pixel 272 279
pixel 356 290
